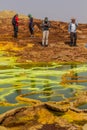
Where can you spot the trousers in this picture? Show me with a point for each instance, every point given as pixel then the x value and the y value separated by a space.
pixel 73 38
pixel 15 31
pixel 45 37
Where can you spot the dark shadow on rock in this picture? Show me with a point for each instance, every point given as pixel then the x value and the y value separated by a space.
pixel 52 127
pixel 67 43
pixel 40 43
pixel 57 113
pixel 81 122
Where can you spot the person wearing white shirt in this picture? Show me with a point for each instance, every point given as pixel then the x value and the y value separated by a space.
pixel 72 30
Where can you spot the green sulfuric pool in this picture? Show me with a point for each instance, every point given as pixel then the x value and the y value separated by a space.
pixel 17 79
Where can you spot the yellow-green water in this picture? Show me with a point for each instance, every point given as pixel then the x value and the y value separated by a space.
pixel 17 79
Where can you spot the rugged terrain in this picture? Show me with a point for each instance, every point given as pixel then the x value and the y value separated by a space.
pixel 47 115
pixel 30 49
pixel 50 115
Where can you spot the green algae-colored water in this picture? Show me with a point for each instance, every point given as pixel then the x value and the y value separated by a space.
pixel 17 79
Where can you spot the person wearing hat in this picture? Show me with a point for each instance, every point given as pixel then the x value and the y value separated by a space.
pixel 45 26
pixel 72 30
pixel 15 25
pixel 31 25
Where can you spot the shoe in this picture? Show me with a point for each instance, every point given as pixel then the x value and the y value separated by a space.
pixel 75 45
pixel 71 45
pixel 42 45
pixel 46 45
pixel 32 36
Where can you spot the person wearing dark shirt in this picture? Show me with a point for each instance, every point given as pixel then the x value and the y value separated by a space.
pixel 15 25
pixel 31 25
pixel 45 27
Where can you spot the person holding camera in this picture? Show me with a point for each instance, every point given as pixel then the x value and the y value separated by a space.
pixel 45 27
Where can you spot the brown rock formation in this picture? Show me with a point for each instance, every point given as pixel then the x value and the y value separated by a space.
pixel 58 49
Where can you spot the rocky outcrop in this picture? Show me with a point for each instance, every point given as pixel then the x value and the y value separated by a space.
pixel 64 115
pixel 34 118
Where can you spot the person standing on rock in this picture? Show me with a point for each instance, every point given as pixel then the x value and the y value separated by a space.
pixel 45 27
pixel 31 25
pixel 72 30
pixel 15 25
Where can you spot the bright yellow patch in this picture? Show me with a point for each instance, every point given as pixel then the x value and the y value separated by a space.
pixel 9 46
pixel 5 45
pixel 30 45
pixel 45 117
pixel 73 116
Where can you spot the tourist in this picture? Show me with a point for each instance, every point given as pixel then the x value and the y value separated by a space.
pixel 15 25
pixel 45 26
pixel 31 25
pixel 72 30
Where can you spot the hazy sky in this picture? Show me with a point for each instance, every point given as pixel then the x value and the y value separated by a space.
pixel 61 10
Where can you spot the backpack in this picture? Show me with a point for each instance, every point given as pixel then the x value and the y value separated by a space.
pixel 13 21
